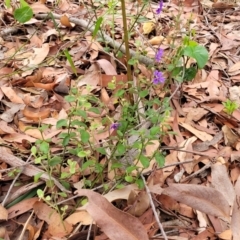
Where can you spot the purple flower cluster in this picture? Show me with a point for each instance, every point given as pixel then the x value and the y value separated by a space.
pixel 115 126
pixel 158 77
pixel 159 55
pixel 159 10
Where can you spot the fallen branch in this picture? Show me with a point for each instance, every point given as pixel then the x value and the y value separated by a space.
pixel 86 25
pixel 28 170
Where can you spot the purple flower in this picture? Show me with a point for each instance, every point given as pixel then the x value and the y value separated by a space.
pixel 159 10
pixel 115 126
pixel 158 77
pixel 159 55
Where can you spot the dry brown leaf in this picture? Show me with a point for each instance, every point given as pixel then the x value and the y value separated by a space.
pixel 156 40
pixel 65 21
pixel 11 94
pixel 38 7
pixel 148 27
pixel 3 213
pixel 185 156
pixel 204 199
pixel 36 114
pixel 230 137
pixel 234 67
pixel 222 183
pixel 138 203
pixel 226 235
pixel 21 207
pixel 56 226
pixel 82 217
pixel 114 223
pixel 91 77
pixel 38 56
pixel 236 213
pixel 107 67
pixel 199 134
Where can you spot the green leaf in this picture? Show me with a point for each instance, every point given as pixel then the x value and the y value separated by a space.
pixel 62 123
pixel 23 14
pixel 121 149
pixel 132 61
pixel 80 113
pixel 8 3
pixel 44 147
pixel 55 161
pixel 160 159
pixel 144 93
pixel 65 184
pixel 94 110
pixel 140 183
pixel 34 150
pixel 40 193
pixel 129 179
pixel 97 26
pixel 144 161
pixel 190 73
pixel 154 131
pixel 84 136
pixel 116 165
pixel 70 98
pixel 199 53
pixel 37 176
pixel 101 150
pixel 66 140
pixel 69 58
pixel 23 3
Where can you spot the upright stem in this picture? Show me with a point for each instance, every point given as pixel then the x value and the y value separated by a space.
pixel 125 30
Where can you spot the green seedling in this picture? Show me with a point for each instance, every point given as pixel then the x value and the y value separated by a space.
pixel 230 106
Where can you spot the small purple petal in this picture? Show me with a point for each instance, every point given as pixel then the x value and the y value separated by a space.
pixel 158 77
pixel 115 126
pixel 159 55
pixel 159 10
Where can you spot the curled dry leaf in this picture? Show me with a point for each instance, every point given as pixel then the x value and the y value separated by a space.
pixel 65 21
pixel 204 199
pixel 114 223
pixel 36 114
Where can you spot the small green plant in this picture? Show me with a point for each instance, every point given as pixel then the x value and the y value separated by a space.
pixel 22 12
pixel 230 106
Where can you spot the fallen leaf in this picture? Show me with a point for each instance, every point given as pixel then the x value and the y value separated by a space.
pixel 236 213
pixel 114 223
pixel 57 227
pixel 204 199
pixel 221 182
pixel 3 213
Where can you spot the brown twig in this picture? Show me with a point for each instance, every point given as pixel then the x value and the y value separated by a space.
pixel 153 208
pixel 145 60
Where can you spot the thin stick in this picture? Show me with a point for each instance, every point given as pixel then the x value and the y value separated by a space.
pixel 89 231
pixel 25 227
pixel 11 187
pixel 153 208
pixel 13 182
pixel 145 60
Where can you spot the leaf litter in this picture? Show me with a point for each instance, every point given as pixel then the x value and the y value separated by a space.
pixel 204 154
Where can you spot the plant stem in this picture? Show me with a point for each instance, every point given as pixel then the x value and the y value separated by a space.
pixel 125 30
